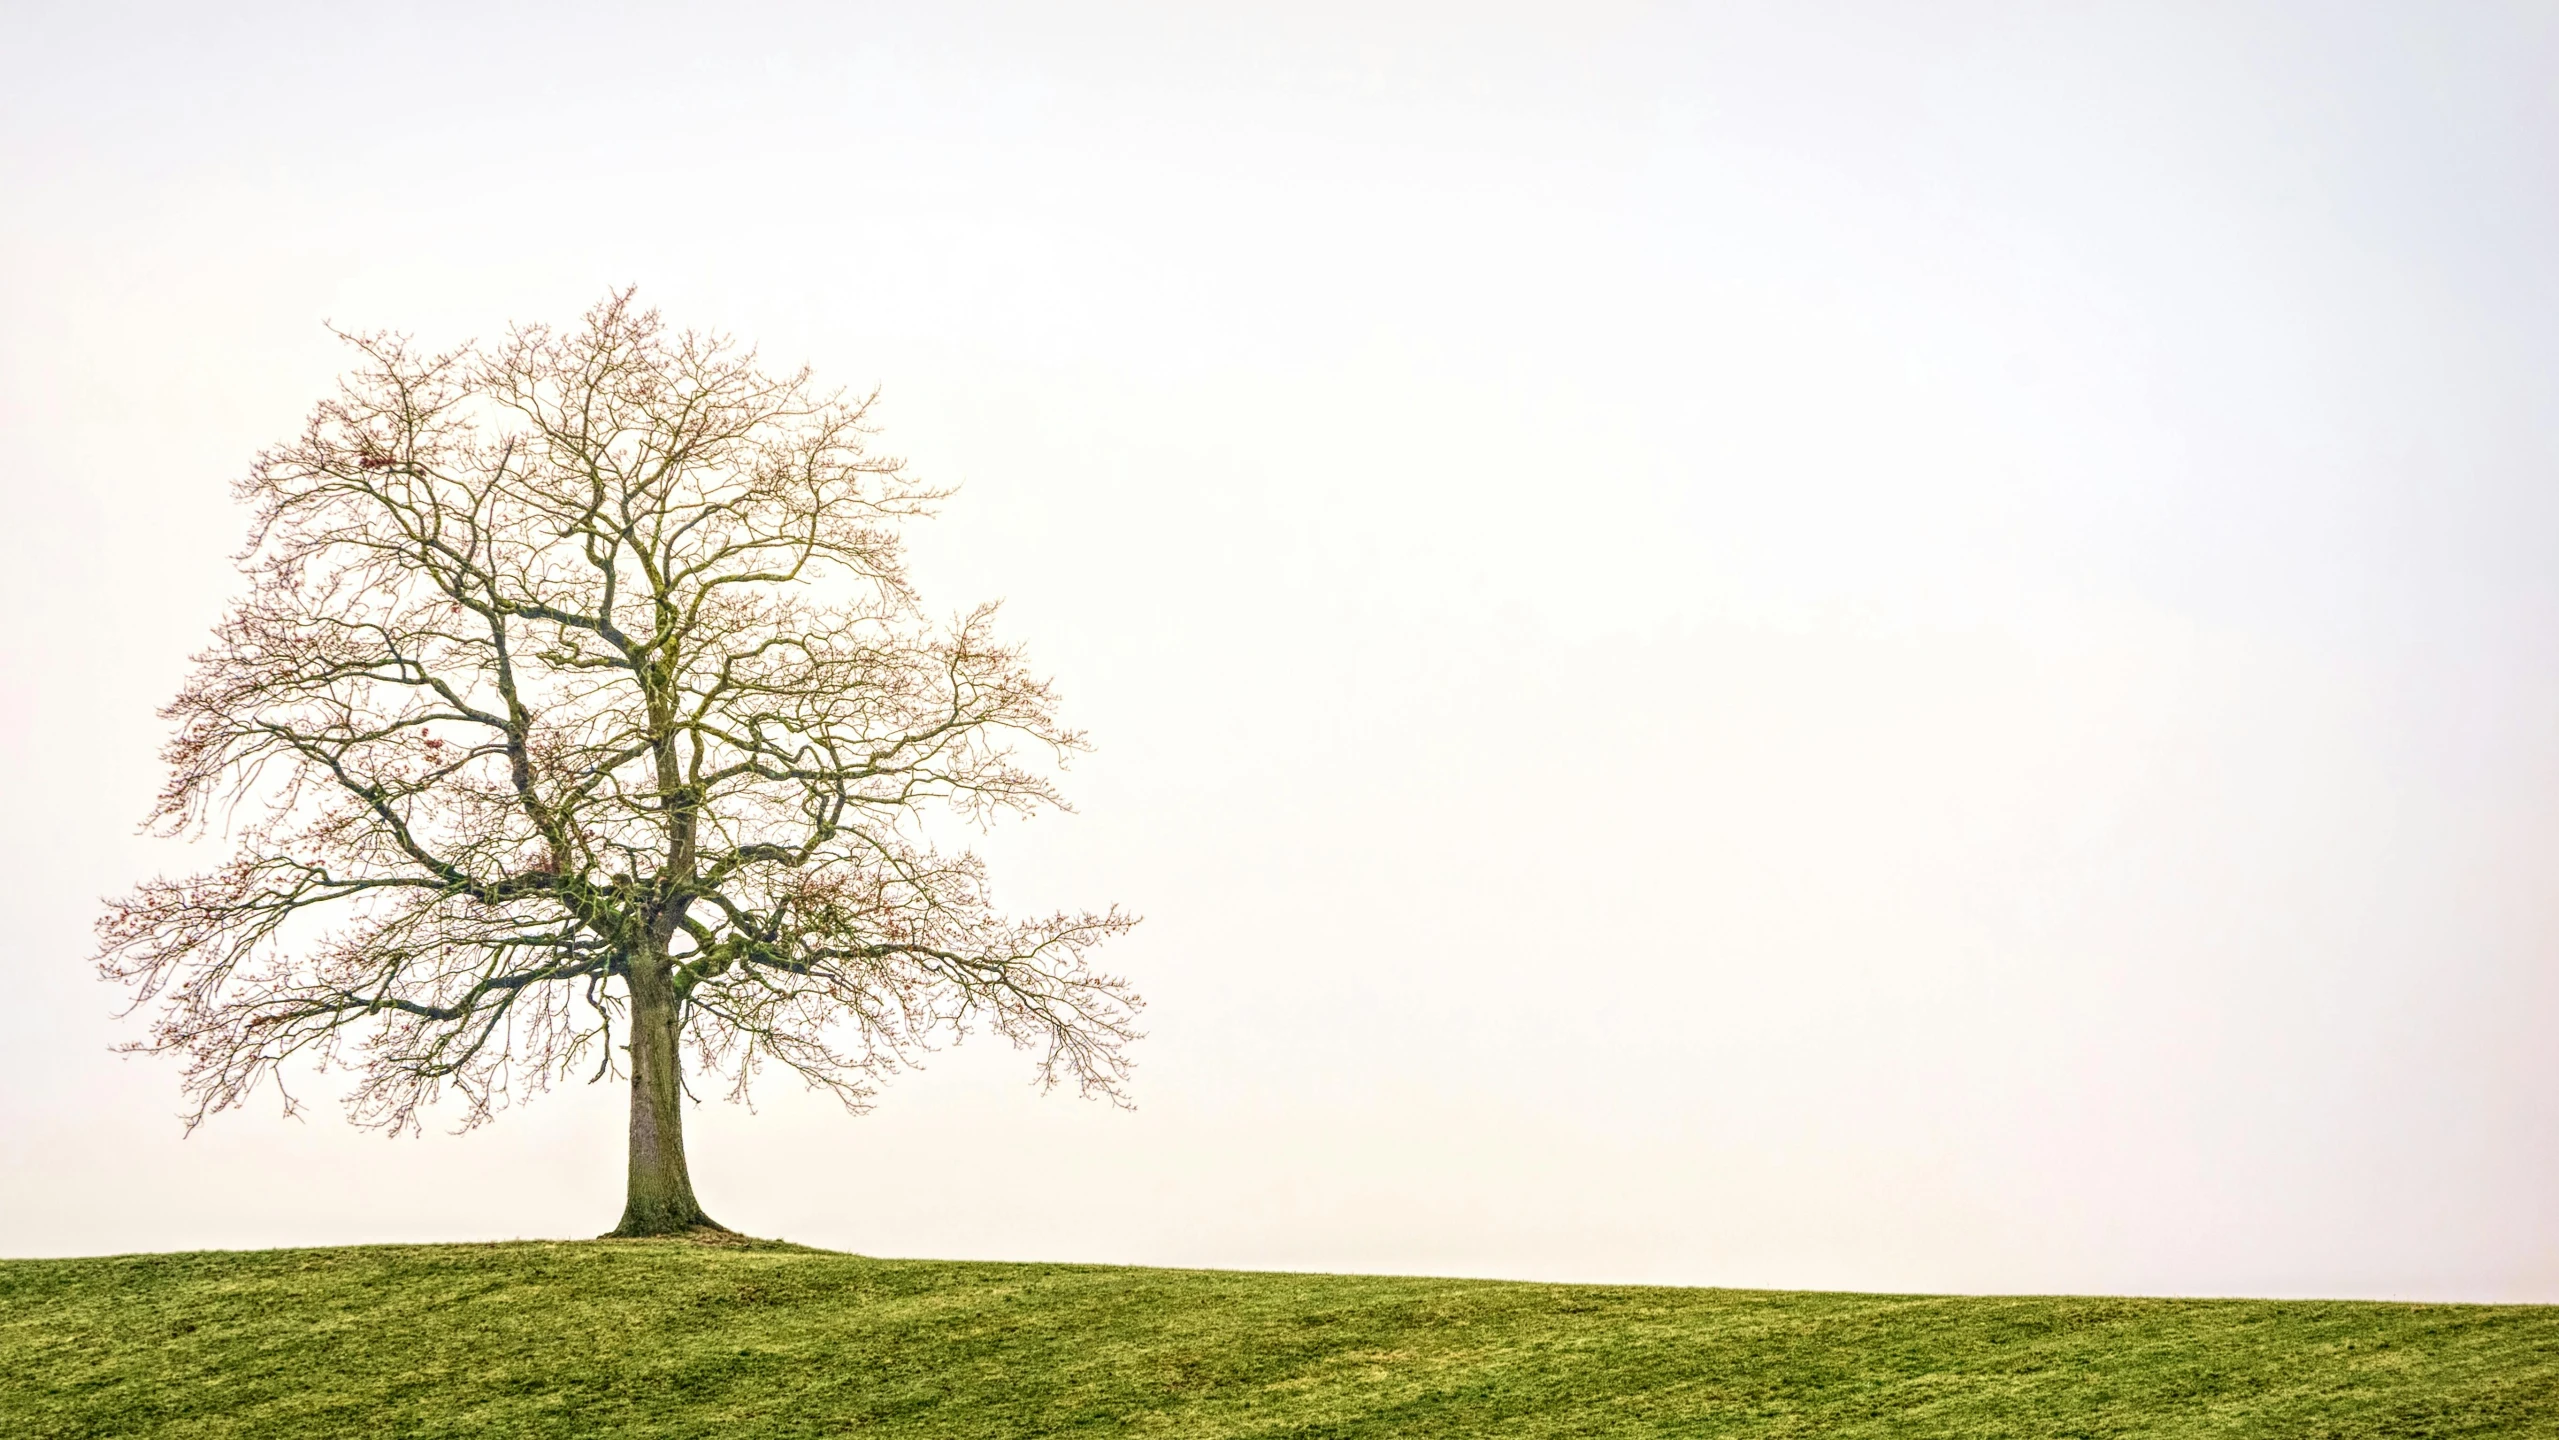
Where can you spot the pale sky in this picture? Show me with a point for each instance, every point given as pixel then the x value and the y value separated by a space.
pixel 1876 647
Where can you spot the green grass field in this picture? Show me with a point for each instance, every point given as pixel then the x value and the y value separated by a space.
pixel 673 1338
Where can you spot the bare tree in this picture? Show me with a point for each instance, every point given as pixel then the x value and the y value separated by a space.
pixel 579 718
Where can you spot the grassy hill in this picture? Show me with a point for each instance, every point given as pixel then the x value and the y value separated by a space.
pixel 673 1338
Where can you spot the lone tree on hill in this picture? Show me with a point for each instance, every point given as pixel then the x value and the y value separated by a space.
pixel 579 717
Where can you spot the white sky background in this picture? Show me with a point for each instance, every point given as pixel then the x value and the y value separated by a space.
pixel 1774 645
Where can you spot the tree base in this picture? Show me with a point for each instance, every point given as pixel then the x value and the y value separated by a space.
pixel 644 1224
pixel 718 1236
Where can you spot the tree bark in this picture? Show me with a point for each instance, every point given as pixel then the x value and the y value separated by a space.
pixel 661 1194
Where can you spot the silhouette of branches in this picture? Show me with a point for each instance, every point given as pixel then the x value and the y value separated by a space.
pixel 585 650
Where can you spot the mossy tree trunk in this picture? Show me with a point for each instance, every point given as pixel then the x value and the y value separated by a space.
pixel 661 1198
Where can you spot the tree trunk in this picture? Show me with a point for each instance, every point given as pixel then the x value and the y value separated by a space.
pixel 661 1196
